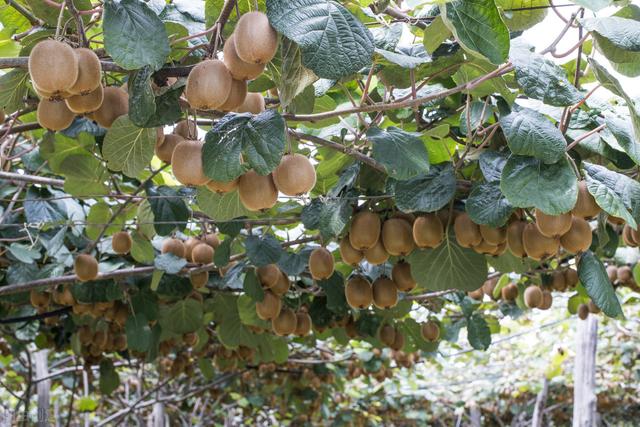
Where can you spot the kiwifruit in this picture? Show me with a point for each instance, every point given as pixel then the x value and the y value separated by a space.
pixel 533 296
pixel 365 230
pixel 578 238
pixel 478 294
pixel 222 187
pixel 187 129
pixel 385 293
pixel 628 236
pixel 86 267
pixel 612 273
pixel 82 104
pixel 493 236
pixel 38 298
pixel 553 225
pixel 268 275
pixel 583 311
pixel 115 103
pixel 256 41
pixel 614 220
pixel 499 250
pixel 547 301
pixel 624 274
pixel 348 254
pixel 212 240
pixel 537 245
pixel 428 231
pixel 54 115
pixel 202 254
pixel 509 292
pixel 321 264
pixel 303 324
pixel 199 279
pixel 173 246
pixel 358 292
pixel 186 163
pixel 294 175
pixel 164 149
pixel 489 285
pixel 467 231
pixel 121 315
pixel 190 339
pixel 53 66
pixel 397 237
pixel 85 334
pixel 189 244
pixel 430 331
pixel 377 254
pixel 239 69
pixel 284 323
pixel 253 103
pixel 89 72
pixel 269 307
pixel 484 247
pixel 257 192
pixel 558 281
pixel 208 85
pixel 593 308
pixel 282 285
pixel 121 242
pixel 514 238
pixel 66 296
pixel 236 96
pixel 100 338
pixel 387 335
pixel 401 275
pixel 586 206
pixel 398 341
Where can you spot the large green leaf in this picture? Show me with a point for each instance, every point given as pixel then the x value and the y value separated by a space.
pixel 622 33
pixel 128 148
pixel 528 182
pixel 478 27
pixel 478 332
pixel 142 103
pixel 138 332
pixel 403 154
pixel 428 192
pixel 134 35
pixel 530 133
pixel 184 316
pixel 13 89
pixel 221 207
pixel 96 291
pixel 623 131
pixel 595 280
pixel 449 266
pixel 329 216
pixel 263 250
pixel 294 76
pixel 487 205
pixel 109 379
pixel 334 44
pixel 170 212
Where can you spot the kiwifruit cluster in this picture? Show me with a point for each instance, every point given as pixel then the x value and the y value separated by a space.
pixel 622 275
pixel 561 280
pixel 630 236
pixel 198 250
pixel 584 310
pixel 391 336
pixel 95 342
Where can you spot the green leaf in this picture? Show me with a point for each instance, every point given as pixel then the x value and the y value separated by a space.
pixel 594 5
pixel 479 28
pixel 85 175
pixel 96 291
pixel 622 33
pixel 223 252
pixel 436 33
pixel 410 58
pixel 109 379
pixel 528 182
pixel 488 206
pixel 221 207
pixel 138 332
pixel 134 35
pixel 403 154
pixel 330 216
pixel 477 68
pixel 145 302
pixel 128 148
pixel 141 248
pixel 530 133
pixel 263 250
pixel 334 290
pixel 478 332
pixel 173 286
pixel 449 266
pixel 334 44
pixel 252 286
pixel 142 103
pixel 169 263
pixel 622 130
pixel 491 164
pixel 593 277
pixel 13 89
pixel 294 76
pixel 184 316
pixel 523 14
pixel 428 192
pixel 170 212
pixel 167 106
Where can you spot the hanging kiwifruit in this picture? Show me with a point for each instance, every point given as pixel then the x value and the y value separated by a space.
pixel 321 264
pixel 533 296
pixel 256 41
pixel 284 323
pixel 87 103
pixel 586 206
pixel 38 298
pixel 537 245
pixel 86 267
pixel 253 103
pixel 115 103
pixel 478 294
pixel 614 220
pixel 239 69
pixel 282 285
pixel 365 230
pixel 173 246
pixel 627 236
pixel 467 231
pixel 186 129
pixel 212 240
pixel 387 335
pixel 398 341
pixel 53 66
pixel 514 238
pixel 377 254
pixel 66 296
pixel 571 277
pixel 578 238
pixel 612 273
pixel 236 96
pixel 268 275
pixel 385 293
pixel 358 292
pixel 624 274
pixel 189 244
pixel 593 308
pixel 269 307
pixel 54 115
pixel 583 311
pixel 186 163
pixel 493 236
pixel 348 254
pixel 199 279
pixel 222 187
pixel 202 254
pixel 401 275
pixel 121 242
pixel 553 225
pixel 303 324
pixel 489 286
pixel 428 231
pixel 208 85
pixel 430 331
pixel 558 281
pixel 397 237
pixel 257 192
pixel 294 175
pixel 547 301
pixel 509 292
pixel 89 72
pixel 164 149
pixel 485 247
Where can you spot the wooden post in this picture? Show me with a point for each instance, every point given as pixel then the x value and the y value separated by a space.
pixel 541 400
pixel 584 373
pixel 43 388
pixel 475 415
pixel 158 415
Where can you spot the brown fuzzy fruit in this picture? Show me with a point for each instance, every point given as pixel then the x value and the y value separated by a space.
pixel 493 236
pixel 397 237
pixel 586 206
pixel 625 274
pixel 190 339
pixel 294 175
pixel 478 294
pixel 269 307
pixel 509 292
pixel 164 149
pixel 239 69
pixel 430 331
pixel 547 301
pixel 467 231
pixel 583 311
pixel 485 247
pixel 173 246
pixel 538 246
pixel 285 323
pixel 387 335
pixel 385 293
pixel 553 225
pixel 257 192
pixel 54 115
pixel 348 254
pixel 612 273
pixel 212 240
pixel 208 85
pixel 377 254
pixel 86 267
pixel 256 41
pixel 398 342
pixel 489 286
pixel 199 279
pixel 514 238
pixel 190 243
pixel 53 66
pixel 321 264
pixel 186 129
pixel 222 187
pixel 89 72
pixel 593 308
pixel 533 296
pixel 115 103
pixel 358 292
pixel 202 254
pixel 365 230
pixel 253 103
pixel 268 275
pixel 558 281
pixel 578 238
pixel 186 162
pixel 236 96
pixel 82 104
pixel 401 275
pixel 428 231
pixel 630 236
pixel 38 299
pixel 303 324
pixel 282 285
pixel 121 242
